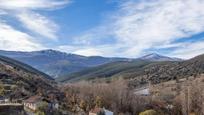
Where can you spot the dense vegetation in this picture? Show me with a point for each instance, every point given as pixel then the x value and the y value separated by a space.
pixel 18 81
pixel 165 71
pixel 141 72
pixel 104 71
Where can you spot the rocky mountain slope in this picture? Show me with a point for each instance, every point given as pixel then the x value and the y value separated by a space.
pixel 164 71
pixel 141 72
pixel 19 81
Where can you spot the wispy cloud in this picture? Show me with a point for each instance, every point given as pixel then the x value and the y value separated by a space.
pixel 188 50
pixel 12 39
pixel 32 4
pixel 37 25
pixel 141 25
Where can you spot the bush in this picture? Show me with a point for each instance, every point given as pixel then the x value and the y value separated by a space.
pixel 43 107
pixel 115 96
pixel 40 113
pixel 149 112
pixel 2 90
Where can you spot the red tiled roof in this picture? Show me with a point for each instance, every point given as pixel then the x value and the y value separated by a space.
pixel 33 99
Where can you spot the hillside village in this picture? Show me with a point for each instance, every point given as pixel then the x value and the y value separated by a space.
pixel 21 96
pixel 25 91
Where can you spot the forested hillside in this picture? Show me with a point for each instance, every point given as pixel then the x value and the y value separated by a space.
pixel 19 81
pixel 141 72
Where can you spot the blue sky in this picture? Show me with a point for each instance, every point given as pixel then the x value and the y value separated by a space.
pixel 111 28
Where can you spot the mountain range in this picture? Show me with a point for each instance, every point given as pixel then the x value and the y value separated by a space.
pixel 56 63
pixel 152 68
pixel 141 71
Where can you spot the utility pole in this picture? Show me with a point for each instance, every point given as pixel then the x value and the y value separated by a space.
pixel 187 100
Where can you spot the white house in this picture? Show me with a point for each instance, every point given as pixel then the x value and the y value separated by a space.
pixel 97 111
pixel 33 102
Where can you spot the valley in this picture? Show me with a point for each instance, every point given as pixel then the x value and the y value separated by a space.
pixel 115 87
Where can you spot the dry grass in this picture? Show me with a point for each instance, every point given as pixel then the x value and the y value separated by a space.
pixel 186 93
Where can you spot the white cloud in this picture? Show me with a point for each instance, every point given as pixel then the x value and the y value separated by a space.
pixel 82 50
pixel 101 50
pixel 39 24
pixel 166 46
pixel 88 52
pixel 26 11
pixel 32 4
pixel 189 50
pixel 141 25
pixel 2 12
pixel 12 39
pixel 152 23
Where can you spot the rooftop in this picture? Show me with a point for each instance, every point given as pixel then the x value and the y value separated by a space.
pixel 33 99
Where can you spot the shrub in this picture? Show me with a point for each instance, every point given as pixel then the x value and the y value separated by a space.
pixel 2 90
pixel 40 113
pixel 149 112
pixel 43 106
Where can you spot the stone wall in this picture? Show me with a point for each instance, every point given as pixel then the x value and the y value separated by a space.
pixel 12 110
